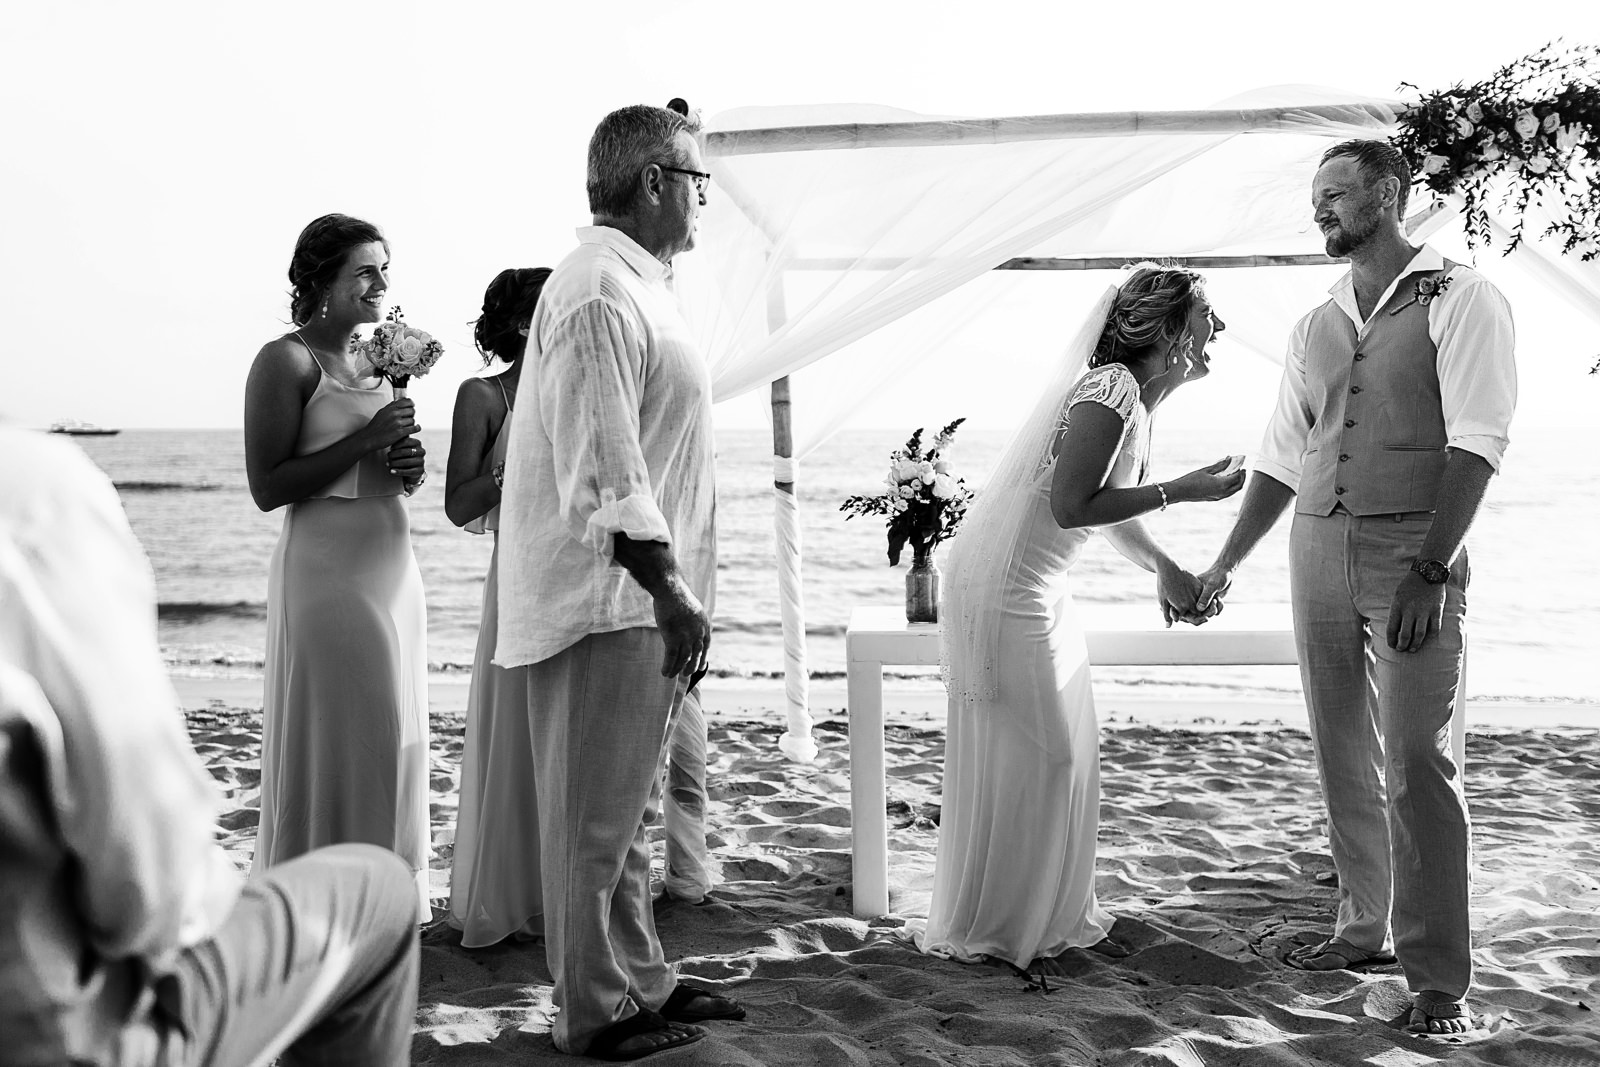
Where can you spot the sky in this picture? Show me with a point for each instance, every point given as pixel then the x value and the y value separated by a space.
pixel 158 159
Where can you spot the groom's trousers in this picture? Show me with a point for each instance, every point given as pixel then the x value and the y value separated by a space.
pixel 598 715
pixel 1380 727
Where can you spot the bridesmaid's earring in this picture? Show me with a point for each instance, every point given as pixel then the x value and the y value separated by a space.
pixel 324 308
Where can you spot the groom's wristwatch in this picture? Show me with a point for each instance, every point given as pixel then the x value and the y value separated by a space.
pixel 1433 571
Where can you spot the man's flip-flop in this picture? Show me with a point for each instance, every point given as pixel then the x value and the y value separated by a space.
pixel 689 1004
pixel 1430 1007
pixel 607 1044
pixel 1349 957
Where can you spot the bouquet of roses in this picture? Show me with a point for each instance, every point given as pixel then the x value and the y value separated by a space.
pixel 923 500
pixel 399 352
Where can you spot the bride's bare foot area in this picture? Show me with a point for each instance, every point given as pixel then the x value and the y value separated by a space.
pixel 1110 946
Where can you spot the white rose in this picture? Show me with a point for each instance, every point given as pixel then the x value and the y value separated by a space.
pixel 1474 112
pixel 1551 121
pixel 1538 164
pixel 1464 126
pixel 409 351
pixel 899 506
pixel 906 469
pixel 944 486
pixel 907 492
pixel 1527 124
pixel 1434 164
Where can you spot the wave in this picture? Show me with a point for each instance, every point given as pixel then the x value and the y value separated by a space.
pixel 168 487
pixel 201 610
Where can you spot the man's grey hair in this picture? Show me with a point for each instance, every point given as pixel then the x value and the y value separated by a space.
pixel 623 144
pixel 1376 160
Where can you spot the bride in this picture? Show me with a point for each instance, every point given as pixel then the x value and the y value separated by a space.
pixel 1014 878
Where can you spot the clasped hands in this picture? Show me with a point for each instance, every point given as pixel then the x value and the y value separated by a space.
pixel 1191 598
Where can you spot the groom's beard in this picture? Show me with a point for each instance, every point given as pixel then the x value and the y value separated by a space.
pixel 1348 237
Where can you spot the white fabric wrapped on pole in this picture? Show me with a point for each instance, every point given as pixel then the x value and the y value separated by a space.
pixel 797 742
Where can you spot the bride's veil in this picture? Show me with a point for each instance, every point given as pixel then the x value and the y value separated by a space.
pixel 984 555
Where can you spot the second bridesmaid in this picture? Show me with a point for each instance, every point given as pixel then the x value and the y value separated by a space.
pixel 494 878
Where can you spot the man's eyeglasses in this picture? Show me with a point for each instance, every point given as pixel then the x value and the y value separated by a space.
pixel 700 177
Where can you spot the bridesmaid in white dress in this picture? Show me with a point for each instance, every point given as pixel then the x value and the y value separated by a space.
pixel 344 738
pixel 1014 876
pixel 494 875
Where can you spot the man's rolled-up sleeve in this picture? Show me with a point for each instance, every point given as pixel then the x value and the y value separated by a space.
pixel 1283 444
pixel 1473 330
pixel 589 386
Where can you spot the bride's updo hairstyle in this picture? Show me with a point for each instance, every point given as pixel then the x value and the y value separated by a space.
pixel 508 306
pixel 318 255
pixel 1151 311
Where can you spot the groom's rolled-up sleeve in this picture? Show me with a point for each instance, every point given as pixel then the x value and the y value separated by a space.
pixel 1283 445
pixel 589 391
pixel 1472 328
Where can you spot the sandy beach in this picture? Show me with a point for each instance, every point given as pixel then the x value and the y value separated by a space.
pixel 1212 855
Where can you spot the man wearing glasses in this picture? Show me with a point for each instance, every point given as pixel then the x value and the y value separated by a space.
pixel 608 557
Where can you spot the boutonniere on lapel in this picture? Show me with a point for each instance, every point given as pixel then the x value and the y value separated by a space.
pixel 1428 286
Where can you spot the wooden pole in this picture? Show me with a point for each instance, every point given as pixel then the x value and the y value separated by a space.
pixel 1313 259
pixel 782 405
pixel 782 427
pixel 1379 115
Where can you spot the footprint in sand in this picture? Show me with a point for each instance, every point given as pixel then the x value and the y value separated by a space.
pixel 741 788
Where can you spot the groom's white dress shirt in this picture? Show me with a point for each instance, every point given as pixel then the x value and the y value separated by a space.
pixel 612 435
pixel 1469 323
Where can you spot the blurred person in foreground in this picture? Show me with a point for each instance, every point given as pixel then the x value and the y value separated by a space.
pixel 1393 415
pixel 127 937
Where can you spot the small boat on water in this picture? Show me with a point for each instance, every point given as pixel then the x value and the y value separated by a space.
pixel 82 429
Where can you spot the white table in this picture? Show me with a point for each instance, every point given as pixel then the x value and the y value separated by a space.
pixel 1121 635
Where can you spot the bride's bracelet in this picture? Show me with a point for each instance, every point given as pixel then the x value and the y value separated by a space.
pixel 1162 490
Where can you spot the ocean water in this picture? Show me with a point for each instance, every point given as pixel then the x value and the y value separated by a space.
pixel 1534 606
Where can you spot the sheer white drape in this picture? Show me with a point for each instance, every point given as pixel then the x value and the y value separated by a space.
pixel 860 228
pixel 809 249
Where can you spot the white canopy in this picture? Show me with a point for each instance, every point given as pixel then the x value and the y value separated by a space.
pixel 829 224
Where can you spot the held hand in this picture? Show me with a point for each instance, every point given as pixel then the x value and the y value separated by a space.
pixel 1207 483
pixel 1178 592
pixel 394 422
pixel 1215 582
pixel 686 629
pixel 1416 612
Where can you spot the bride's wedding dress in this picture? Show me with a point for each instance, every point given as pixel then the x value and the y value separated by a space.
pixel 1014 876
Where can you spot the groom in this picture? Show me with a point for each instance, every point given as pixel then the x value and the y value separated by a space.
pixel 1391 419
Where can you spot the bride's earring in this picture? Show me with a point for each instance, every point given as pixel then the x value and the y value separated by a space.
pixel 324 307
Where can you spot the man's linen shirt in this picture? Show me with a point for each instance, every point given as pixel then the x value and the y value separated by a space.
pixel 612 435
pixel 1470 324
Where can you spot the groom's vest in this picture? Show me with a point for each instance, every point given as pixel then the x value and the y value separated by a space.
pixel 1377 436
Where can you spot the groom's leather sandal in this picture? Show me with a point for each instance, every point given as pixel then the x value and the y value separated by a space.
pixel 607 1044
pixel 689 1004
pixel 1350 957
